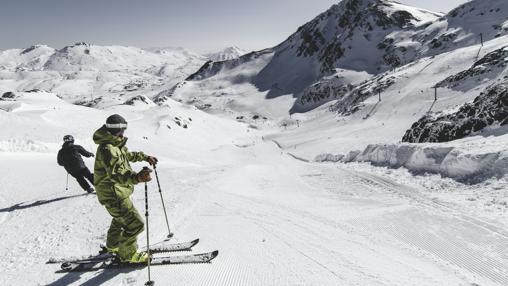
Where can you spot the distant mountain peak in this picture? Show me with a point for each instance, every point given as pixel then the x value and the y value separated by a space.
pixel 225 54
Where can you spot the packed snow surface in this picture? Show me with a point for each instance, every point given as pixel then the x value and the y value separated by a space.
pixel 276 220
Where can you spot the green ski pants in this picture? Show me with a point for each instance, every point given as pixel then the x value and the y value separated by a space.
pixel 125 227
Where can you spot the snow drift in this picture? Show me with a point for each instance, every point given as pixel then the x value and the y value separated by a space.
pixel 452 162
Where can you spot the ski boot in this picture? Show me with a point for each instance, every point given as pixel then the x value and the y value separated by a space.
pixel 138 257
pixel 112 250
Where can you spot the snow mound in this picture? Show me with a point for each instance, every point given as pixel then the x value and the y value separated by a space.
pixel 456 163
pixel 327 157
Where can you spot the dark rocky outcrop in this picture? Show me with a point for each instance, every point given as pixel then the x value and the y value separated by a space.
pixel 488 109
pixel 8 95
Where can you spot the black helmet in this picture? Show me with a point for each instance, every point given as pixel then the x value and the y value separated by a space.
pixel 68 138
pixel 115 123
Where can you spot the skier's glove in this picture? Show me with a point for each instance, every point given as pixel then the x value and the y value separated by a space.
pixel 144 175
pixel 152 160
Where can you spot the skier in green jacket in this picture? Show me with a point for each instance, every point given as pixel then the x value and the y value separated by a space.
pixel 114 182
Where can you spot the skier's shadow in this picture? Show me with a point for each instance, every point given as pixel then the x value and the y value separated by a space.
pixel 23 205
pixel 103 277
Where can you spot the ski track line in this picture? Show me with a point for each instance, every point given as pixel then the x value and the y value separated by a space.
pixel 454 252
pixel 227 275
pixel 254 219
pixel 272 230
pixel 475 265
pixel 415 195
pixel 197 192
pixel 228 270
pixel 302 253
pixel 308 231
pixel 417 240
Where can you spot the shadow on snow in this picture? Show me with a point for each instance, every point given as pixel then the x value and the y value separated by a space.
pixel 101 278
pixel 23 205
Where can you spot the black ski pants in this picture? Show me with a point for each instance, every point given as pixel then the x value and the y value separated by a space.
pixel 80 177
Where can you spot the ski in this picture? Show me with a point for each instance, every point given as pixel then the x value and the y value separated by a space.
pixel 113 263
pixel 160 247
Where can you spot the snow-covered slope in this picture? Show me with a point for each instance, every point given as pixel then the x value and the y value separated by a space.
pixel 488 110
pixel 383 108
pixel 298 223
pixel 465 25
pixel 459 28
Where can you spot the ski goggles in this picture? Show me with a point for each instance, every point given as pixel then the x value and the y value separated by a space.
pixel 116 125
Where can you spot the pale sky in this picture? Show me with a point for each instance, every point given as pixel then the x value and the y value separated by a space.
pixel 199 25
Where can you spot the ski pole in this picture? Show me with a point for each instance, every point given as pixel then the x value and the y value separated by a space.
pixel 170 234
pixel 67 183
pixel 149 282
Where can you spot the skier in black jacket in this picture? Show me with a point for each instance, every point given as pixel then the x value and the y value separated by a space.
pixel 70 158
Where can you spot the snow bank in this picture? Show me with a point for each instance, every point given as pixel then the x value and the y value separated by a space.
pixel 448 161
pixel 327 157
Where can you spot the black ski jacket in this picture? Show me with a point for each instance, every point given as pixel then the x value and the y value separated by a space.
pixel 70 157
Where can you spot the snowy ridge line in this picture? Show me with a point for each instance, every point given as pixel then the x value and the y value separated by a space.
pixel 444 160
pixel 364 238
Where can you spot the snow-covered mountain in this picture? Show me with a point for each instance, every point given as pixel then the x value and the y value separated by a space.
pixel 32 58
pixel 340 37
pixel 95 75
pixel 358 36
pixel 225 54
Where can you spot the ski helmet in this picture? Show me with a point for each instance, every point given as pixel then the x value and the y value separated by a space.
pixel 68 138
pixel 115 123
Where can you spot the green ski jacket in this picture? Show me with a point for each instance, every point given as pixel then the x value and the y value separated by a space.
pixel 114 178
